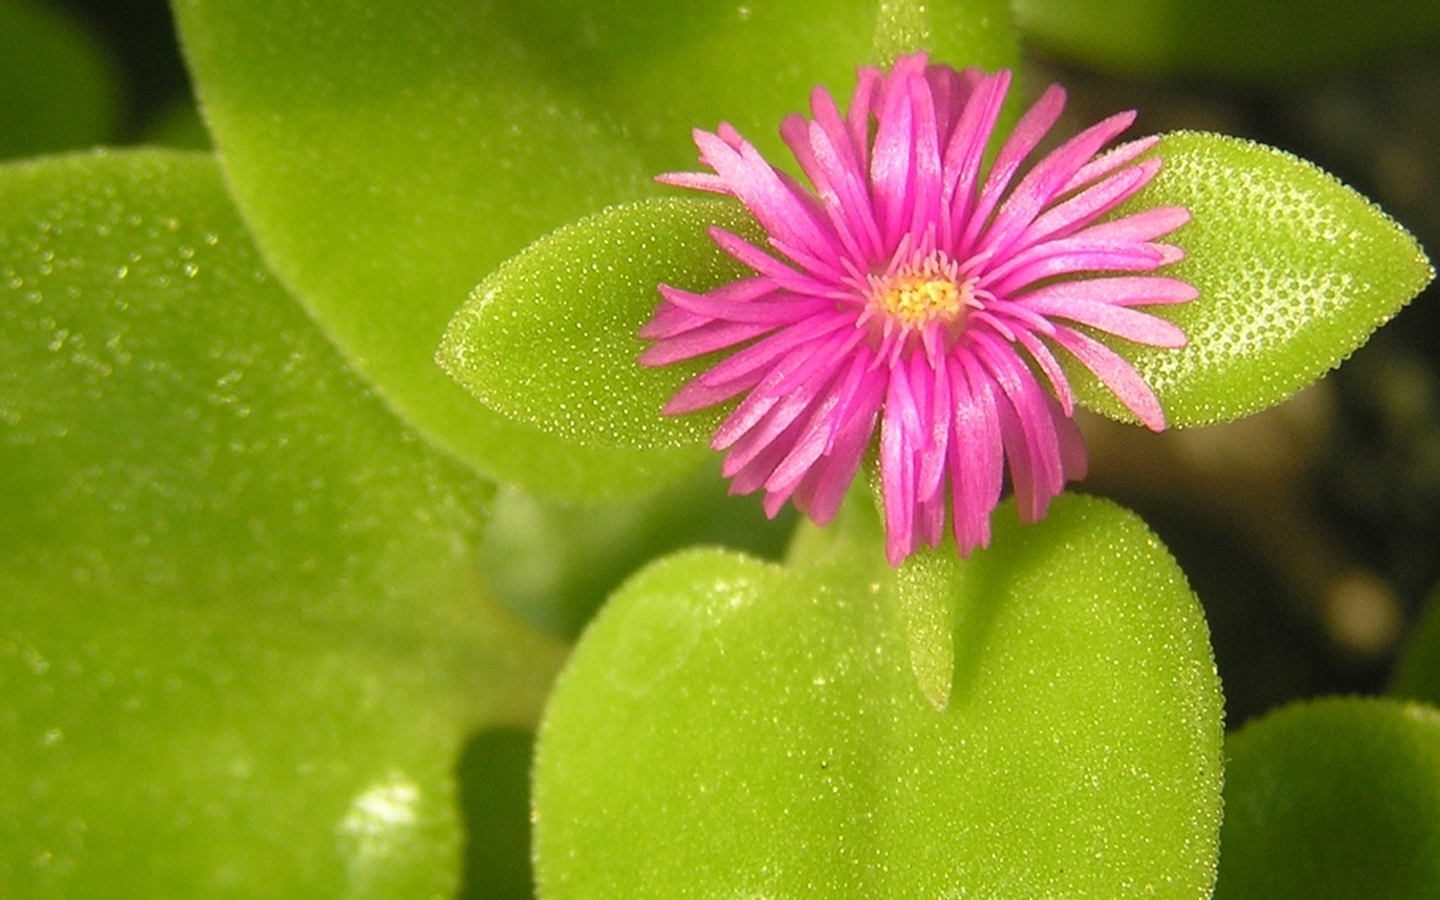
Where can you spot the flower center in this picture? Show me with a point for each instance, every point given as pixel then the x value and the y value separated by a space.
pixel 916 296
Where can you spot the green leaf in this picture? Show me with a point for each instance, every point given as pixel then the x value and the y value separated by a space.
pixel 1294 269
pixel 1337 798
pixel 389 156
pixel 1251 40
pixel 59 88
pixel 1417 671
pixel 242 639
pixel 728 727
pixel 551 337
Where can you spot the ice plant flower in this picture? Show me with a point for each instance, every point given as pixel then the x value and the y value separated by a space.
pixel 918 292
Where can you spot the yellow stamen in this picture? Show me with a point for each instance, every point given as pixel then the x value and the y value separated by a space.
pixel 915 298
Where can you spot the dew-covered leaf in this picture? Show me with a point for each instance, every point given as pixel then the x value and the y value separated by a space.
pixel 243 637
pixel 551 337
pixel 728 727
pixel 1295 270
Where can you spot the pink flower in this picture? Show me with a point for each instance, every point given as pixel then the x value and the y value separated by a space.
pixel 914 291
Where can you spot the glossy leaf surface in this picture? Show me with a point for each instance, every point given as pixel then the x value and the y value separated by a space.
pixel 1294 269
pixel 242 638
pixel 389 156
pixel 731 728
pixel 1333 800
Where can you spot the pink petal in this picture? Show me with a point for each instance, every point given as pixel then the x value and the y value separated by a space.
pixel 1120 290
pixel 700 341
pixel 890 167
pixel 1031 128
pixel 977 455
pixel 1116 374
pixel 1120 321
pixel 1109 161
pixel 1042 184
pixel 966 150
pixel 1087 206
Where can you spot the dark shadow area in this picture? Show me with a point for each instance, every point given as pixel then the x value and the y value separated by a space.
pixel 493 778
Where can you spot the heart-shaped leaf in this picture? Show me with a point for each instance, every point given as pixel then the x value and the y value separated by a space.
pixel 733 728
pixel 242 639
pixel 1337 799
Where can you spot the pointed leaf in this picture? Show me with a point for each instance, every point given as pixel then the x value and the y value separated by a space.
pixel 1294 269
pixel 551 337
pixel 732 728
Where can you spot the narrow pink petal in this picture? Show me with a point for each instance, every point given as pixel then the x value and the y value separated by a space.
pixel 785 411
pixel 845 172
pixel 1130 324
pixel 926 175
pixel 1120 290
pixel 700 341
pixel 1116 374
pixel 890 167
pixel 857 117
pixel 977 456
pixel 777 308
pixel 751 478
pixel 1031 128
pixel 826 420
pixel 770 349
pixel 696 396
pixel 1139 227
pixel 696 181
pixel 1027 429
pixel 1059 384
pixel 898 425
pixel 762 262
pixel 817 161
pixel 791 380
pixel 1077 260
pixel 782 210
pixel 821 498
pixel 1042 184
pixel 1073 457
pixel 936 425
pixel 1086 206
pixel 966 150
pixel 1109 161
pixel 669 321
pixel 784 309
